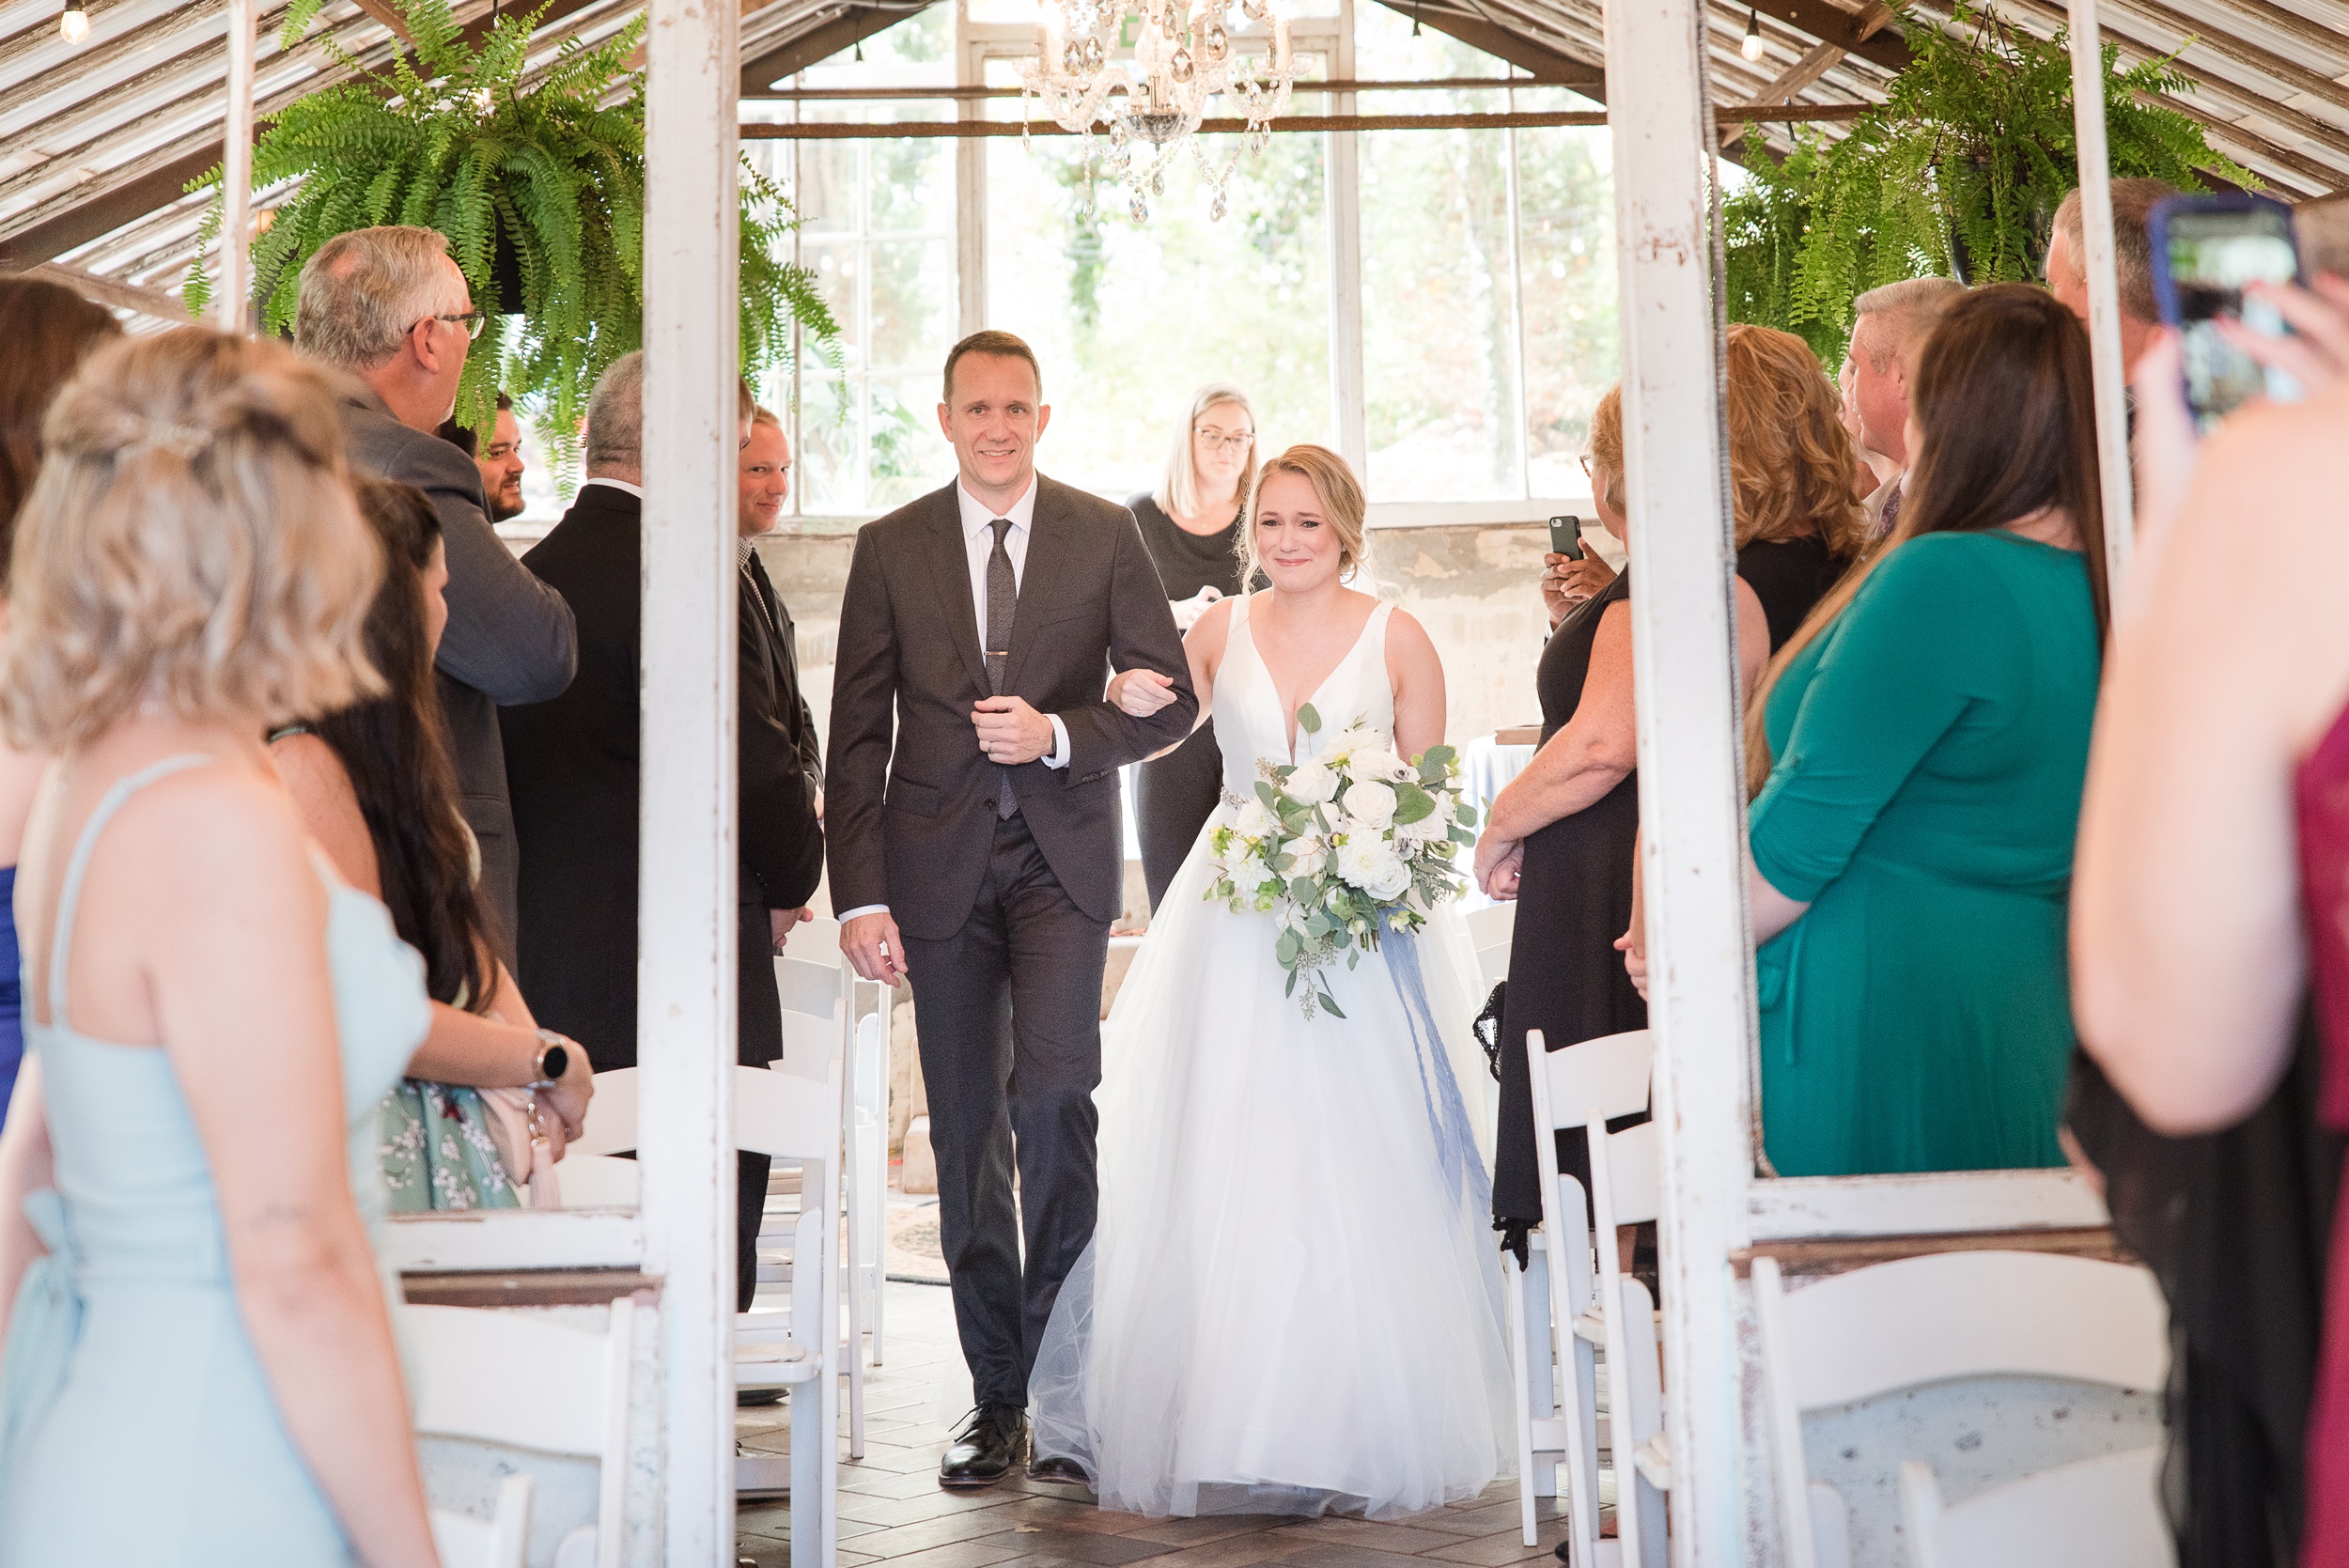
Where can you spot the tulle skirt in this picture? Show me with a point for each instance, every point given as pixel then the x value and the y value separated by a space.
pixel 1292 1300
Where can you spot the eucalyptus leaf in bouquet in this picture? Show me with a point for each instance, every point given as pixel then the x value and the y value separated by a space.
pixel 1342 847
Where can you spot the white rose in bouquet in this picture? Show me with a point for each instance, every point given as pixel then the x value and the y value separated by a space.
pixel 1312 783
pixel 1366 863
pixel 1370 802
pixel 1430 828
pixel 1377 762
pixel 1308 852
pixel 1252 820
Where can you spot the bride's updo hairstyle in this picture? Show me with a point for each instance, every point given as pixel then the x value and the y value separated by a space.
pixel 191 544
pixel 1343 507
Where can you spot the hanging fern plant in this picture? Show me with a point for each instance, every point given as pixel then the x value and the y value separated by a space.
pixel 1959 172
pixel 539 188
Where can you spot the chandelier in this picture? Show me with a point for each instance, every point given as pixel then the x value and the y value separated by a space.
pixel 1184 54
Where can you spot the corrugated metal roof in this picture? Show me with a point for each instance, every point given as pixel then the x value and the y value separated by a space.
pixel 98 141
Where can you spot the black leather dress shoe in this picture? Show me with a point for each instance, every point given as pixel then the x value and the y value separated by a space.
pixel 990 1443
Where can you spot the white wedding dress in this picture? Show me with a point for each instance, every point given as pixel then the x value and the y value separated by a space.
pixel 1292 1299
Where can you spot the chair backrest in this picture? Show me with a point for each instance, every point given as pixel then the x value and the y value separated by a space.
pixel 1635 1172
pixel 501 1541
pixel 611 1126
pixel 598 1181
pixel 2101 1509
pixel 1602 1077
pixel 815 1002
pixel 1971 1315
pixel 1491 930
pixel 524 1380
pixel 787 1117
pixel 1930 1319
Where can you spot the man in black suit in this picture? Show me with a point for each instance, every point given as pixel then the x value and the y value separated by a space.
pixel 974 826
pixel 574 763
pixel 766 484
pixel 389 306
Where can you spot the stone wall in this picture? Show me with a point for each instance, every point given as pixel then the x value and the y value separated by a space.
pixel 1472 588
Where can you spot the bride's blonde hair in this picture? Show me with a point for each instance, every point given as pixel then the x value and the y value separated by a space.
pixel 1343 507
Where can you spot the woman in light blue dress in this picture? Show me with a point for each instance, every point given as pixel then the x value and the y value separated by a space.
pixel 199 1367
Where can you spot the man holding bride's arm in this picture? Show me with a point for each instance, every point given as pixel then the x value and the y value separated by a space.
pixel 975 832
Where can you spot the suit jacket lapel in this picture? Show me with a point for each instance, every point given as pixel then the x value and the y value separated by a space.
pixel 950 569
pixel 1040 581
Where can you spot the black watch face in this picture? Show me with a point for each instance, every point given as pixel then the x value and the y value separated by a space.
pixel 556 1063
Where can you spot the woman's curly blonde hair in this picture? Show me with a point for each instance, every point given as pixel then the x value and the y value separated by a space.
pixel 192 544
pixel 1790 460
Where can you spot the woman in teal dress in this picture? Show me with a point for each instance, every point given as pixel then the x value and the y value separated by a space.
pixel 199 1369
pixel 1912 840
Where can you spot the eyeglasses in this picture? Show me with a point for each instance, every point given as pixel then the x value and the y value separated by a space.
pixel 1215 438
pixel 472 320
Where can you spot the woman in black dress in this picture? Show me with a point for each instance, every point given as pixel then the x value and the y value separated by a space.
pixel 1561 838
pixel 1190 525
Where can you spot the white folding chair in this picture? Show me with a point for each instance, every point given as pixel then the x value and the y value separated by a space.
pixel 2101 1509
pixel 818 1033
pixel 865 1020
pixel 1593 1080
pixel 1928 1320
pixel 1491 930
pixel 528 1382
pixel 1626 1188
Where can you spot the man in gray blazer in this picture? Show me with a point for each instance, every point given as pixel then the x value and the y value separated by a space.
pixel 390 306
pixel 974 827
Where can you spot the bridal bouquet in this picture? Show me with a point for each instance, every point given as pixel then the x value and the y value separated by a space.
pixel 1343 847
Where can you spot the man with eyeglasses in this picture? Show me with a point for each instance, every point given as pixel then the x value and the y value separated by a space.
pixel 390 306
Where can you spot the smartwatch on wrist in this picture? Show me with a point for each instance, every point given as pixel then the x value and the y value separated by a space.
pixel 554 1058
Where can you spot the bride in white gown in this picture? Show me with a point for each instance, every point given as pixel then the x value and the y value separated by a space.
pixel 1291 1302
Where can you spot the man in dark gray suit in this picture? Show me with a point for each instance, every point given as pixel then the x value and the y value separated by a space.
pixel 975 851
pixel 389 306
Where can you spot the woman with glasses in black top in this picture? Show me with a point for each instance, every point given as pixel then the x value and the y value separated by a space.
pixel 1190 524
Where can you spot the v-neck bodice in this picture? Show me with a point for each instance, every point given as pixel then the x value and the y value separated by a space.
pixel 1251 722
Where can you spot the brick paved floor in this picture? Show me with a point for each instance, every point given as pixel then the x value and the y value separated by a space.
pixel 892 1510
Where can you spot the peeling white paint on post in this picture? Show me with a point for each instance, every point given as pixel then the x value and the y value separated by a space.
pixel 232 301
pixel 2104 286
pixel 1690 798
pixel 685 1015
pixel 1348 414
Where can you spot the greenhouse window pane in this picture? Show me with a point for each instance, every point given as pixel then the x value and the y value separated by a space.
pixel 1130 318
pixel 1567 237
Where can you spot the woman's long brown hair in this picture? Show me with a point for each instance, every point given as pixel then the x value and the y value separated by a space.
pixel 50 330
pixel 2005 402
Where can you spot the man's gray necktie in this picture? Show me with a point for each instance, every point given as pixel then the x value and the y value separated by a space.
pixel 1002 597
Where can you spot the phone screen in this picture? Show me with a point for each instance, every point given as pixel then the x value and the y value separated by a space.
pixel 1566 537
pixel 2211 256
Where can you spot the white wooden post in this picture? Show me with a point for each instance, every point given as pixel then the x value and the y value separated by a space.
pixel 233 300
pixel 685 1014
pixel 1342 174
pixel 2103 287
pixel 1690 798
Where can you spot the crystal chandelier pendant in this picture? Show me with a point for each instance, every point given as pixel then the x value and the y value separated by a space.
pixel 1183 57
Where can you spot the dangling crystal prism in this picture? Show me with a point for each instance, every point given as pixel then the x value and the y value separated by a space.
pixel 1093 55
pixel 1214 209
pixel 1139 209
pixel 1178 66
pixel 1219 43
pixel 1158 183
pixel 1073 57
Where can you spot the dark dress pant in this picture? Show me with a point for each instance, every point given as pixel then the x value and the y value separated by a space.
pixel 758 1029
pixel 1008 1012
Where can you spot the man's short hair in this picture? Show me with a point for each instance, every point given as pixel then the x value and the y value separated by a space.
pixel 2132 242
pixel 2321 225
pixel 615 416
pixel 745 401
pixel 460 435
pixel 765 415
pixel 1906 313
pixel 1001 343
pixel 362 292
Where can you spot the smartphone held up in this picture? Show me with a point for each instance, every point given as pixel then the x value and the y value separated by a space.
pixel 2207 251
